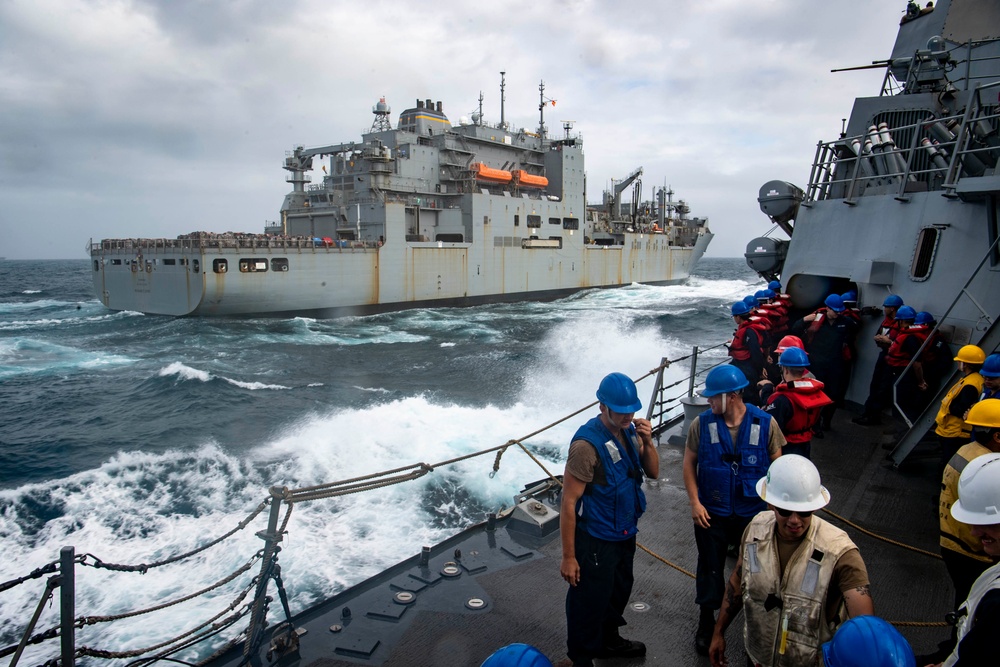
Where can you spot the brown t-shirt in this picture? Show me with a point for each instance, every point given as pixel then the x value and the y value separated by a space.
pixel 849 572
pixel 584 464
pixel 775 438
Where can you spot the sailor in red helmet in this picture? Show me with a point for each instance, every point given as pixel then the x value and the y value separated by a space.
pixel 796 402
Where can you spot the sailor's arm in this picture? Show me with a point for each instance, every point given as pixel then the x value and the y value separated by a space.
pixel 698 512
pixel 732 604
pixel 859 601
pixel 648 456
pixel 573 488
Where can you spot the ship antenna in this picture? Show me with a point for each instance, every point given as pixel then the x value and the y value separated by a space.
pixel 542 101
pixel 503 84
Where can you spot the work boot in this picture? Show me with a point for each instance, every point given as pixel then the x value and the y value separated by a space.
pixel 621 648
pixel 703 636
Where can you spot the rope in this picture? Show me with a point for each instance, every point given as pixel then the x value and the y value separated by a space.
pixel 665 561
pixel 881 537
pixel 91 620
pixel 143 567
pixel 34 574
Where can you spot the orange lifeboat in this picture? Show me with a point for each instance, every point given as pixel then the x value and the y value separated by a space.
pixel 526 180
pixel 484 173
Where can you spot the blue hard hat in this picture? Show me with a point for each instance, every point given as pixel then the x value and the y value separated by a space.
pixel 774 285
pixel 923 317
pixel 868 641
pixel 849 295
pixel 723 380
pixel 750 300
pixel 906 313
pixel 740 308
pixel 991 367
pixel 892 301
pixel 617 391
pixel 761 295
pixel 768 293
pixel 793 357
pixel 517 655
pixel 835 303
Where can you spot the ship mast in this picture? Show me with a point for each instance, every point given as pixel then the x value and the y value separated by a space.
pixel 541 109
pixel 503 85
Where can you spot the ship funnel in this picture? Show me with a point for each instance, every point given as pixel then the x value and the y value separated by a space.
pixel 779 200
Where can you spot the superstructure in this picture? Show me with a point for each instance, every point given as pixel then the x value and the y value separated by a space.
pixel 904 201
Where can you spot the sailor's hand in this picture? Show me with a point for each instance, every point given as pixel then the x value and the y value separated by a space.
pixel 700 515
pixel 717 650
pixel 644 430
pixel 570 570
pixel 809 318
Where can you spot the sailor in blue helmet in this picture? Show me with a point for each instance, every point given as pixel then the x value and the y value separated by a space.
pixel 517 655
pixel 868 641
pixel 829 339
pixel 795 402
pixel 602 501
pixel 878 387
pixel 729 447
pixel 747 346
pixel 991 377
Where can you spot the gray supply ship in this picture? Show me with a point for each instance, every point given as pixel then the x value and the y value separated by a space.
pixel 426 214
pixel 905 200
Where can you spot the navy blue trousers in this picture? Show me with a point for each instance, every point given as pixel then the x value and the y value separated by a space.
pixel 710 583
pixel 594 606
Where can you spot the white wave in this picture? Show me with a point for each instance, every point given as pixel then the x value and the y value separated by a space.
pixel 185 372
pixel 253 386
pixel 447 345
pixel 32 291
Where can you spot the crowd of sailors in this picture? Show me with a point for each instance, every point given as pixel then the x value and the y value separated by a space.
pixel 800 582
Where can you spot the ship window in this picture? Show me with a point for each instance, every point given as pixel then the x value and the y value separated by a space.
pixel 220 265
pixel 97 265
pixel 923 255
pixel 252 265
pixel 116 262
pixel 196 266
pixel 517 221
pixel 169 262
pixel 555 221
pixel 534 221
pixel 450 238
pixel 571 223
pixel 279 264
pixel 184 261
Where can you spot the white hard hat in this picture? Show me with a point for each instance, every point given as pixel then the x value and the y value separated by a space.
pixel 792 483
pixel 978 501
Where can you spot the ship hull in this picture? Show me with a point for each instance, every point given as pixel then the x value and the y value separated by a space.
pixel 300 277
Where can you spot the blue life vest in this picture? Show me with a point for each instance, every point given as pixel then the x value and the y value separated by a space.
pixel 728 475
pixel 611 511
pixel 987 393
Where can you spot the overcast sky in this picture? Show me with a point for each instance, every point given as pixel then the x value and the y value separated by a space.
pixel 160 117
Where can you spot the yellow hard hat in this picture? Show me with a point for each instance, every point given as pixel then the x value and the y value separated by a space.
pixel 985 413
pixel 971 354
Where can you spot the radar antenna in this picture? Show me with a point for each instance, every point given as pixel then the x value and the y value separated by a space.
pixel 381 111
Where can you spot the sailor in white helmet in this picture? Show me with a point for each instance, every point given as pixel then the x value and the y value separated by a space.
pixel 978 618
pixel 794 575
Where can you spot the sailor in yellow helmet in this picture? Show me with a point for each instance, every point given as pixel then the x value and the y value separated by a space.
pixel 951 429
pixel 962 551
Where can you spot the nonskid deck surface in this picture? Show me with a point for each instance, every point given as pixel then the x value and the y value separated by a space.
pixel 526 594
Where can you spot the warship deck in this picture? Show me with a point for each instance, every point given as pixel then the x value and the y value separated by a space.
pixel 518 577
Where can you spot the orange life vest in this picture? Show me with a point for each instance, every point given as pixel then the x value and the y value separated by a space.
pixel 808 398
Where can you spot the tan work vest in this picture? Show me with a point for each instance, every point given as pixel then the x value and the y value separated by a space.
pixel 987 581
pixel 948 425
pixel 789 634
pixel 956 535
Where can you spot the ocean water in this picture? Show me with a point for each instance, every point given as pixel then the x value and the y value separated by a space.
pixel 134 438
